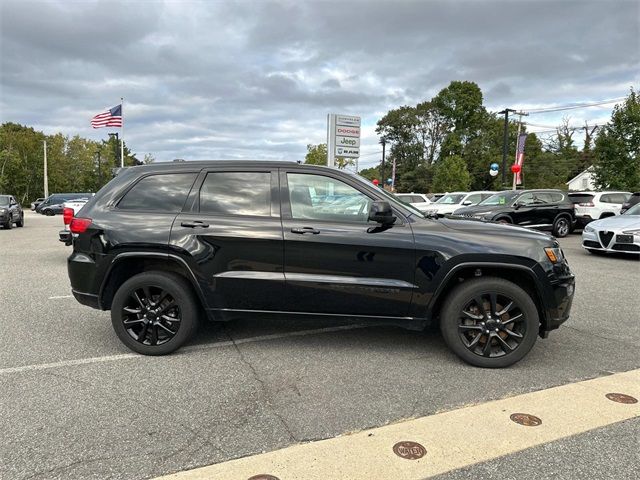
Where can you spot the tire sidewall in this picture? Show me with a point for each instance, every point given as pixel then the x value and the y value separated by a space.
pixel 556 226
pixel 464 293
pixel 179 290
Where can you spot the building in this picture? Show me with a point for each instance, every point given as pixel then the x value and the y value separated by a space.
pixel 583 181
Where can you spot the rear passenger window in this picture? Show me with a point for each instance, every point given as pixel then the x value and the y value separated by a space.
pixel 555 197
pixel 236 193
pixel 162 193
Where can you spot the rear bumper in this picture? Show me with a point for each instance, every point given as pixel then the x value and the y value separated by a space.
pixel 82 274
pixel 582 220
pixel 65 237
pixel 88 299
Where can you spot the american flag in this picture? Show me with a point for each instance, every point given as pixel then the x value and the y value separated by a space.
pixel 520 156
pixel 110 118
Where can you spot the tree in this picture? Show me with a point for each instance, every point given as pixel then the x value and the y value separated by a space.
pixel 451 174
pixel 316 154
pixel 617 151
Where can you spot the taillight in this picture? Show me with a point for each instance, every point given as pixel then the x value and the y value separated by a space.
pixel 588 204
pixel 79 225
pixel 67 215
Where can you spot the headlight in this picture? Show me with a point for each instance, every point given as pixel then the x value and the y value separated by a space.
pixel 3 210
pixel 635 231
pixel 555 255
pixel 589 229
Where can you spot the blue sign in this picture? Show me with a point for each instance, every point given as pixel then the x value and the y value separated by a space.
pixel 389 181
pixel 494 167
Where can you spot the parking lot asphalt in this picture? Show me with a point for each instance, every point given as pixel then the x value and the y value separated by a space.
pixel 75 403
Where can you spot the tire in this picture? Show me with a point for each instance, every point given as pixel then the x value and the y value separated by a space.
pixel 504 220
pixel 8 225
pixel 49 213
pixel 182 319
pixel 561 227
pixel 20 223
pixel 467 337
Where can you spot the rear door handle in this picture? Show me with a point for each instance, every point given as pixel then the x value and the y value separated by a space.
pixel 195 224
pixel 302 230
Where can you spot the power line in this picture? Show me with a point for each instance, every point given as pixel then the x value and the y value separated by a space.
pixel 574 106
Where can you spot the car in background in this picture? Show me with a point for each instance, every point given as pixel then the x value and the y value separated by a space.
pixel 450 202
pixel 70 209
pixel 617 234
pixel 634 199
pixel 53 204
pixel 416 200
pixel 539 209
pixel 590 206
pixel 37 202
pixel 10 212
pixel 434 197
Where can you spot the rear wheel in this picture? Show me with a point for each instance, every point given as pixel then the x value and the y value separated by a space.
pixel 49 213
pixel 561 227
pixel 154 313
pixel 489 322
pixel 505 220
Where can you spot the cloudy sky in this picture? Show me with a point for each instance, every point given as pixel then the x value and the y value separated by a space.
pixel 256 79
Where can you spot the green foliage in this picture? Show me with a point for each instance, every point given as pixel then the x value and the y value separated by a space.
pixel 316 154
pixel 370 173
pixel 617 150
pixel 451 174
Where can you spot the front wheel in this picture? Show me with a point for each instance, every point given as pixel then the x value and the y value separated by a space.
pixel 20 223
pixel 489 322
pixel 49 213
pixel 154 313
pixel 561 227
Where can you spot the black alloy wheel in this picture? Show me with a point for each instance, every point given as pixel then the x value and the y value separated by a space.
pixel 489 322
pixel 561 227
pixel 154 313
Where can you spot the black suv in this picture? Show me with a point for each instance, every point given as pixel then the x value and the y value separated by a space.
pixel 549 210
pixel 164 245
pixel 10 212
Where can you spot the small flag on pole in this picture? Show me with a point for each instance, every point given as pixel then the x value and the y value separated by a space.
pixel 110 118
pixel 520 157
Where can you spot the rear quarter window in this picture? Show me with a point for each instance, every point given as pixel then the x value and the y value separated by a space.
pixel 165 192
pixel 580 198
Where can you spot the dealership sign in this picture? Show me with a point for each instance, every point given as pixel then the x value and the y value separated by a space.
pixel 343 137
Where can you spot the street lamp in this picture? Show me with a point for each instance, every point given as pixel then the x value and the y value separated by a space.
pixel 383 142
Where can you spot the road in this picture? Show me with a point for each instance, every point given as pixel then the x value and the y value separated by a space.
pixel 76 404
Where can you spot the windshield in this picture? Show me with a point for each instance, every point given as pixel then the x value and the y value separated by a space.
pixel 635 210
pixel 450 198
pixel 581 197
pixel 502 198
pixel 4 200
pixel 392 199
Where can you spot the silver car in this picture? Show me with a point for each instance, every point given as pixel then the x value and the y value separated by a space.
pixel 614 234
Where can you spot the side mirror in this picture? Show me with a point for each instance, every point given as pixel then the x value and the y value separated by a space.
pixel 381 212
pixel 466 203
pixel 517 205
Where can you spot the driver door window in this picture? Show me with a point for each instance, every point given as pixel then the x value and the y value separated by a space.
pixel 316 197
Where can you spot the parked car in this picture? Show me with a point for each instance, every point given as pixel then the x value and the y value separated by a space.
pixel 450 202
pixel 634 199
pixel 53 204
pixel 162 243
pixel 10 212
pixel 434 197
pixel 69 210
pixel 541 209
pixel 37 202
pixel 591 206
pixel 620 233
pixel 416 200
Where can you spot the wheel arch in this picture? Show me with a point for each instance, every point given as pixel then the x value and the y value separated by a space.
pixel 126 265
pixel 520 275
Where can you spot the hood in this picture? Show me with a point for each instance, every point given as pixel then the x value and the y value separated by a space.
pixel 618 221
pixel 480 227
pixel 446 207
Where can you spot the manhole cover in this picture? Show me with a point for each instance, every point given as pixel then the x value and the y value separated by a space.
pixel 263 476
pixel 409 450
pixel 621 398
pixel 526 419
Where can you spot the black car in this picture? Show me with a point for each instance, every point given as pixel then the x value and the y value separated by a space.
pixel 53 204
pixel 165 245
pixel 37 202
pixel 541 209
pixel 10 212
pixel 634 199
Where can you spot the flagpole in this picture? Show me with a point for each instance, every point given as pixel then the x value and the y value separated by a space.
pixel 122 133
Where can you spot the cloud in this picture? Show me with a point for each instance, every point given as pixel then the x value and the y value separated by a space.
pixel 251 79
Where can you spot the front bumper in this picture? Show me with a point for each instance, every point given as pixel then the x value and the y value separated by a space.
pixel 558 303
pixel 593 241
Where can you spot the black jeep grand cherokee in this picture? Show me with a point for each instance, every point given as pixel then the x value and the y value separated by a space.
pixel 163 245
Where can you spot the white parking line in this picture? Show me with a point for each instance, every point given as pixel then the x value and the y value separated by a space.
pixel 228 343
pixel 56 297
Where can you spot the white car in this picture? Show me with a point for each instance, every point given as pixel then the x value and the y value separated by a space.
pixel 416 200
pixel 591 206
pixel 450 202
pixel 620 233
pixel 69 210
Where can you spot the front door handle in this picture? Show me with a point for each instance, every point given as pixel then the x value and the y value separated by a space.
pixel 195 224
pixel 302 230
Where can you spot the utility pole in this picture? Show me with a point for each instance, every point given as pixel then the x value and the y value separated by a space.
pixel 505 143
pixel 46 177
pixel 99 169
pixel 383 142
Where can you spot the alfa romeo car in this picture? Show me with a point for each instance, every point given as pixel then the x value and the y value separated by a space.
pixel 166 245
pixel 614 234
